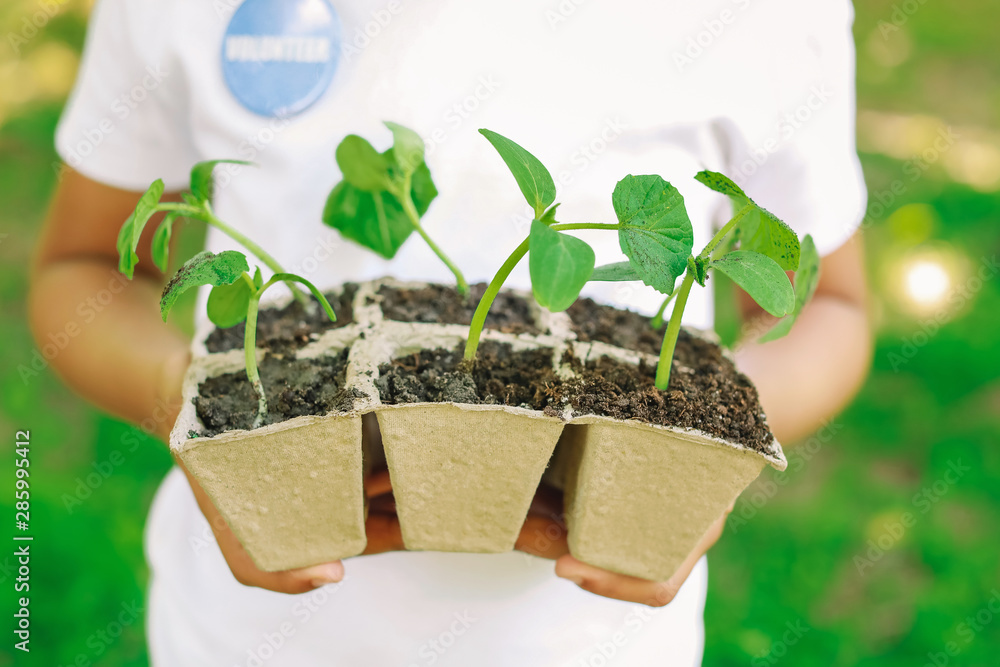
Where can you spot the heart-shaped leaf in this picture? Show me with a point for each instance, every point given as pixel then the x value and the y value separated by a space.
pixel 532 177
pixel 613 273
pixel 228 304
pixel 205 268
pixel 131 231
pixel 806 280
pixel 655 233
pixel 377 220
pixel 761 278
pixel 202 182
pixel 363 166
pixel 560 265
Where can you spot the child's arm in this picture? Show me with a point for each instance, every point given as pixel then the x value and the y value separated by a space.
pixel 803 379
pixel 120 356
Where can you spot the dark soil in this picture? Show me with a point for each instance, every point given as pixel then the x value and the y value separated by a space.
pixel 294 388
pixel 282 330
pixel 709 394
pixel 441 304
pixel 622 328
pixel 499 376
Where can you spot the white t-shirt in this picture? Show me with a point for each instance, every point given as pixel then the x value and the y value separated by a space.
pixel 762 90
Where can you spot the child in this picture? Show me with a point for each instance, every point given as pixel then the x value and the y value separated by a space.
pixel 762 91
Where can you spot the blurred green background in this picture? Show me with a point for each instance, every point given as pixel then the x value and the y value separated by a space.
pixel 867 552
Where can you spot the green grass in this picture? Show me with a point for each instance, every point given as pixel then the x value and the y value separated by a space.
pixel 790 560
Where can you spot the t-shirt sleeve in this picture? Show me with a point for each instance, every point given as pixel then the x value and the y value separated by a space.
pixel 125 124
pixel 793 147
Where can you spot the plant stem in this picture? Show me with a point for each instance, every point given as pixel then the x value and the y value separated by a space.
pixel 411 213
pixel 250 351
pixel 721 234
pixel 568 226
pixel 657 321
pixel 673 329
pixel 208 217
pixel 483 309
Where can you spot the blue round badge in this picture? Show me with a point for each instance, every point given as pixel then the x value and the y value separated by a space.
pixel 279 56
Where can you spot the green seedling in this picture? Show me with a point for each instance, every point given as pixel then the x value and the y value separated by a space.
pixel 383 196
pixel 656 235
pixel 235 294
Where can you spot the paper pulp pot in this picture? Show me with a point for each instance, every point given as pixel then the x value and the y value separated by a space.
pixel 638 497
pixel 291 492
pixel 463 476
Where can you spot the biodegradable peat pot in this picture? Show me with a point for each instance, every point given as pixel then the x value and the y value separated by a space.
pixel 291 491
pixel 465 452
pixel 639 495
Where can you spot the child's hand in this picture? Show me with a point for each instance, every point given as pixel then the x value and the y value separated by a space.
pixel 544 535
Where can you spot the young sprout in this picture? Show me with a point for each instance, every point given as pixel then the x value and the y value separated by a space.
pixel 198 206
pixel 235 295
pixel 656 235
pixel 382 196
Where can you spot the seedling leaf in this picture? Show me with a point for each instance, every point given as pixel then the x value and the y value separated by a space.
pixel 202 183
pixel 376 220
pixel 532 177
pixel 699 267
pixel 205 268
pixel 559 264
pixel 228 304
pixel 761 277
pixel 806 280
pixel 549 217
pixel 762 232
pixel 407 147
pixel 161 242
pixel 759 230
pixel 131 231
pixel 258 280
pixel 614 273
pixel 363 166
pixel 423 189
pixel 655 233
pixel 723 184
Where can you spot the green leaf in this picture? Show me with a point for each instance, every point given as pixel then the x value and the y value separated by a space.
pixel 560 265
pixel 759 230
pixel 363 166
pixel 131 231
pixel 762 232
pixel 204 268
pixel 655 233
pixel 407 147
pixel 202 183
pixel 806 280
pixel 721 183
pixel 549 217
pixel 761 278
pixel 161 241
pixel 614 273
pixel 376 220
pixel 531 175
pixel 228 304
pixel 423 191
pixel 258 280
pixel 699 268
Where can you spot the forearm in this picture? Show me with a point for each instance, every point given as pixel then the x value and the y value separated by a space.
pixel 116 352
pixel 811 374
